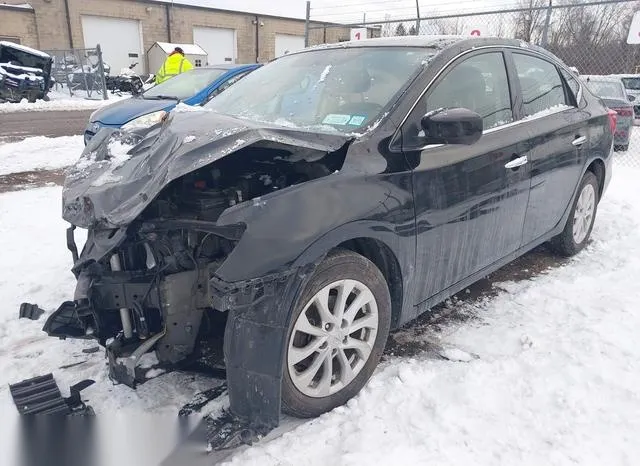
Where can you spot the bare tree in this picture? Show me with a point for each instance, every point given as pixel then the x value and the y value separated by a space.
pixel 530 20
pixel 401 30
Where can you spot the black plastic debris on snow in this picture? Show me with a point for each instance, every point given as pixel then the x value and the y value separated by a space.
pixel 30 311
pixel 41 395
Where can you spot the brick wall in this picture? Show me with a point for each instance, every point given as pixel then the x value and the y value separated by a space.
pixel 52 28
pixel 20 24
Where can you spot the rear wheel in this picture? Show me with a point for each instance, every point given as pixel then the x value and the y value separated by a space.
pixel 336 336
pixel 576 233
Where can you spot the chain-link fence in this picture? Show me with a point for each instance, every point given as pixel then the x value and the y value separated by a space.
pixel 590 37
pixel 80 72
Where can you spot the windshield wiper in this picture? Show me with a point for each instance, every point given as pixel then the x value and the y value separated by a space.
pixel 162 97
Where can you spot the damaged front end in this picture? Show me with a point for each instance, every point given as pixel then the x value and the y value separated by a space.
pixel 147 276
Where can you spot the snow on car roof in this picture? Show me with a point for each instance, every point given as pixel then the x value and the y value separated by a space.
pixel 24 48
pixel 189 49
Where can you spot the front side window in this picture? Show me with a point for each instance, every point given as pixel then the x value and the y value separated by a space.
pixel 228 83
pixel 542 88
pixel 342 89
pixel 478 83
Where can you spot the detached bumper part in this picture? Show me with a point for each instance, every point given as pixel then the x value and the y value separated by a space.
pixel 41 395
pixel 254 349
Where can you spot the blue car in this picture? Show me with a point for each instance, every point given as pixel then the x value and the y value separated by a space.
pixel 195 87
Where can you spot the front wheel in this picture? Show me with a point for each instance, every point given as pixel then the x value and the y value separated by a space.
pixel 337 334
pixel 576 233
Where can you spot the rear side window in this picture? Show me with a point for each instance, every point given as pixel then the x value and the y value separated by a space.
pixel 542 88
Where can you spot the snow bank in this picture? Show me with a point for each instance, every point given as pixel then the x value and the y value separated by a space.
pixel 40 153
pixel 60 101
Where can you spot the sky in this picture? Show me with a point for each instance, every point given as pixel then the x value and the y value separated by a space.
pixel 354 10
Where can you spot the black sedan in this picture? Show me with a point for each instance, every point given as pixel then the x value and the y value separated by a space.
pixel 328 197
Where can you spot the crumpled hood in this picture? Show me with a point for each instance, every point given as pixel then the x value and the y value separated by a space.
pixel 126 110
pixel 119 173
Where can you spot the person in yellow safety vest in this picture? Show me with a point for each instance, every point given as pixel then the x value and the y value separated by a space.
pixel 175 64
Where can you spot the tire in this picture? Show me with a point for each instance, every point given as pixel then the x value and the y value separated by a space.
pixel 567 243
pixel 333 343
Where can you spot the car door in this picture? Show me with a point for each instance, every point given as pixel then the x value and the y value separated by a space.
pixel 470 201
pixel 556 134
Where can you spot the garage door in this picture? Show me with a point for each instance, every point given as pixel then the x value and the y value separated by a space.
pixel 219 43
pixel 120 40
pixel 286 43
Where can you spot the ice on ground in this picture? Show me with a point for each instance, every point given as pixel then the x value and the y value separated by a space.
pixel 40 153
pixel 456 354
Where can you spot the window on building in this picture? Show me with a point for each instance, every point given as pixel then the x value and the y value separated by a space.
pixel 198 62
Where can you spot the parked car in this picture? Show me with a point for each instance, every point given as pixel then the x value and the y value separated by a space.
pixel 611 90
pixel 631 83
pixel 399 172
pixel 195 87
pixel 25 73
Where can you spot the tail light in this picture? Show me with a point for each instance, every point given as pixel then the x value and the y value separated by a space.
pixel 624 112
pixel 613 120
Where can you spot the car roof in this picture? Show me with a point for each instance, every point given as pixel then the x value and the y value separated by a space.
pixel 441 42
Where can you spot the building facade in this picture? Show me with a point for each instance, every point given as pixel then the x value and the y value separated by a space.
pixel 126 29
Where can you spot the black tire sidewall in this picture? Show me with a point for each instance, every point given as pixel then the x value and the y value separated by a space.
pixel 338 266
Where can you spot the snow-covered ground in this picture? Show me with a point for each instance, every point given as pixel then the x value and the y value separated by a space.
pixel 61 100
pixel 546 373
pixel 40 153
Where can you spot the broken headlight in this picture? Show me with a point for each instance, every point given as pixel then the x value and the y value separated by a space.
pixel 145 121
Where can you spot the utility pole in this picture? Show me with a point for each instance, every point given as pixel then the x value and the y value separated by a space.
pixel 417 17
pixel 306 24
pixel 547 23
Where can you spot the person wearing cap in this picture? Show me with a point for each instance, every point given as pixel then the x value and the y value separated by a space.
pixel 175 64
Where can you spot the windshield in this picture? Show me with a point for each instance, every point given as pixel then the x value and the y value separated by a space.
pixel 632 83
pixel 334 89
pixel 184 85
pixel 611 89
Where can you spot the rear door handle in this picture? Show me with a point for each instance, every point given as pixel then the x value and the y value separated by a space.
pixel 515 163
pixel 579 141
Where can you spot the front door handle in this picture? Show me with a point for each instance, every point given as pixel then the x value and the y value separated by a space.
pixel 579 141
pixel 515 163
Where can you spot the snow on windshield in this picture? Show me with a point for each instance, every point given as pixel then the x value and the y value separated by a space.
pixel 345 89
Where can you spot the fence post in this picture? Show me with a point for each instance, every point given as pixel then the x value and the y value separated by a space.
pixel 417 17
pixel 103 80
pixel 306 24
pixel 547 23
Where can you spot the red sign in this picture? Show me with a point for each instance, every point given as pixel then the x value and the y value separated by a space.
pixel 475 32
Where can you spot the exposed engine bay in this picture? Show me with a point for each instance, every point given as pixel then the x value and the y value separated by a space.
pixel 152 290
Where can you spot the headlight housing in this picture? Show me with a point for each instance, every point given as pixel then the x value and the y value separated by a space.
pixel 145 121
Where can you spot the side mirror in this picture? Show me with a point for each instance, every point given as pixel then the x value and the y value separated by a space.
pixel 631 98
pixel 452 126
